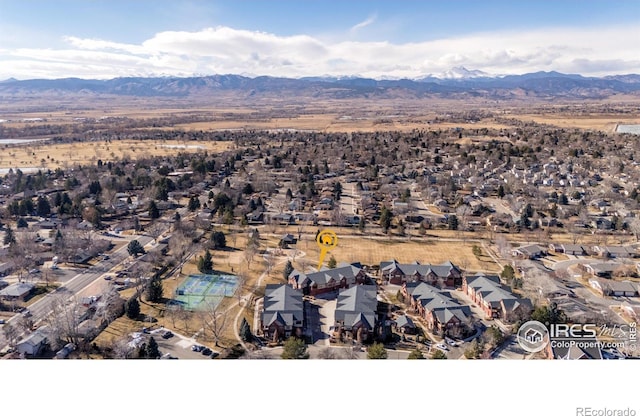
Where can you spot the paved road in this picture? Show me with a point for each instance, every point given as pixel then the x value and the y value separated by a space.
pixel 40 309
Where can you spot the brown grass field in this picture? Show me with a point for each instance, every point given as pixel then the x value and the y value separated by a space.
pixel 372 252
pixel 43 155
pixel 606 123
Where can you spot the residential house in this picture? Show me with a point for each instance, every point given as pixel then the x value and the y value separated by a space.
pixel 606 287
pixel 531 252
pixel 33 344
pixel 495 300
pixel 404 324
pixel 282 313
pixel 7 268
pixel 327 280
pixel 288 239
pixel 356 313
pixel 602 269
pixel 17 291
pixel 630 311
pixel 614 252
pixel 443 275
pixel 573 249
pixel 441 312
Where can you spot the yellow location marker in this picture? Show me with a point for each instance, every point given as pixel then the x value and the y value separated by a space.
pixel 327 240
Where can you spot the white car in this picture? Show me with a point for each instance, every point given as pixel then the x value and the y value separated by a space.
pixel 442 347
pixel 451 342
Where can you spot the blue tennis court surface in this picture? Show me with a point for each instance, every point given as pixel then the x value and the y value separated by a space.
pixel 199 289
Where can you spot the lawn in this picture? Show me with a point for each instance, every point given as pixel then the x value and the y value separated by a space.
pixel 372 251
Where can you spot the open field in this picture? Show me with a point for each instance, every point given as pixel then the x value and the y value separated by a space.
pixel 52 156
pixel 606 123
pixel 372 252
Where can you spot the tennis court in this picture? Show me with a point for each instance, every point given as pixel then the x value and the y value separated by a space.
pixel 199 289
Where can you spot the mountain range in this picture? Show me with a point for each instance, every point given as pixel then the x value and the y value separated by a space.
pixel 456 83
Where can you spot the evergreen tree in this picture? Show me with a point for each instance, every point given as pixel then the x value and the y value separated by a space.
pixel 332 262
pixel 194 203
pixel 205 264
pixel 218 239
pixel 438 355
pixel 288 268
pixel 416 355
pixel 508 273
pixel 152 349
pixel 134 248
pixel 294 349
pixel 132 308
pixel 452 221
pixel 385 218
pixel 9 237
pixel 376 352
pixel 154 212
pixel 155 290
pixel 245 330
pixel 43 208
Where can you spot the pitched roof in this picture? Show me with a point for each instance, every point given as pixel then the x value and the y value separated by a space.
pixel 411 269
pixel 403 321
pixel 282 304
pixel 357 305
pixel 322 277
pixel 439 302
pixel 494 293
pixel 16 290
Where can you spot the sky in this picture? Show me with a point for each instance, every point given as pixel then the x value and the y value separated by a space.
pixel 376 39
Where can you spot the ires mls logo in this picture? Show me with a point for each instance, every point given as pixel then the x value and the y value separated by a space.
pixel 572 331
pixel 534 336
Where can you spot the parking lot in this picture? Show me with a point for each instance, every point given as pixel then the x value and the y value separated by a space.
pixel 177 346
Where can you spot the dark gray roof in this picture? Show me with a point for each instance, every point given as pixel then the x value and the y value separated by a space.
pixel 282 304
pixel 493 292
pixel 411 269
pixel 322 277
pixel 357 305
pixel 16 289
pixel 403 321
pixel 531 250
pixel 438 302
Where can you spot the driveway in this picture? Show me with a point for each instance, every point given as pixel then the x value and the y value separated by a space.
pixel 320 314
pixel 178 345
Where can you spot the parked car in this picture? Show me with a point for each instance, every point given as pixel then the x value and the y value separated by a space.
pixel 442 347
pixel 197 348
pixel 451 342
pixel 2 321
pixel 167 335
pixel 206 351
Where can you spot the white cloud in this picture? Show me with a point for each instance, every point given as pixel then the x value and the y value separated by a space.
pixel 364 23
pixel 589 51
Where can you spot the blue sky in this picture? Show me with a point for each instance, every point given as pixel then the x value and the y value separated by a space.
pixel 104 39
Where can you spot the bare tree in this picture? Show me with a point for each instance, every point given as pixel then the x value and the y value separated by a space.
pixel 64 318
pixel 155 230
pixel 11 333
pixel 214 321
pixel 327 353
